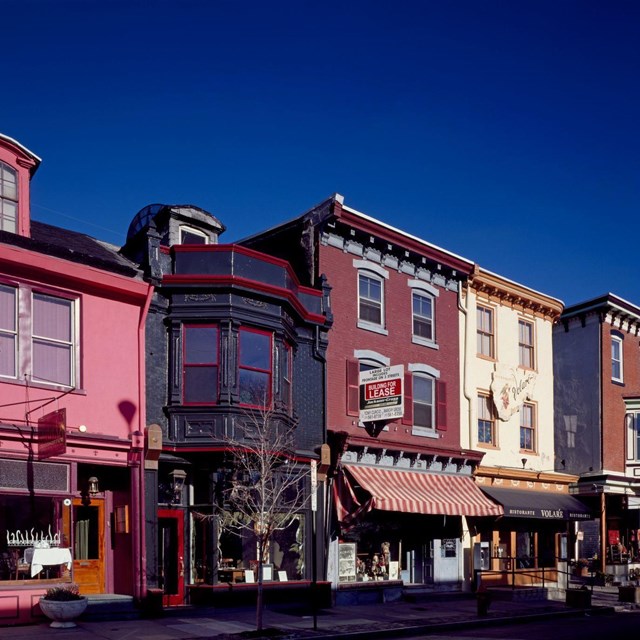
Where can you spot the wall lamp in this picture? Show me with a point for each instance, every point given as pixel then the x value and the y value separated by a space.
pixel 178 476
pixel 92 486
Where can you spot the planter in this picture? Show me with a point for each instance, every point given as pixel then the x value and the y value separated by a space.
pixel 63 612
pixel 629 593
pixel 578 598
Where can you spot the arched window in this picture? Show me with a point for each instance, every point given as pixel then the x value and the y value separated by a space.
pixel 8 198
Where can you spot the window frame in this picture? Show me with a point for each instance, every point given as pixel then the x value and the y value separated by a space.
pixel 25 335
pixel 286 377
pixel 485 400
pixel 374 273
pixel 12 334
pixel 483 333
pixel 528 426
pixel 52 341
pixel 525 347
pixel 269 372
pixel 420 375
pixel 617 340
pixel 6 198
pixel 195 365
pixel 195 232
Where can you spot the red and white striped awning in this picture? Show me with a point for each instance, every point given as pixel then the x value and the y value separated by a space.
pixel 409 492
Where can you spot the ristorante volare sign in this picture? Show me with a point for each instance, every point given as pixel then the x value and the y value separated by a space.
pixel 510 387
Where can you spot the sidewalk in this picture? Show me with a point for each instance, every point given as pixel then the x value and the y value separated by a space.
pixel 437 612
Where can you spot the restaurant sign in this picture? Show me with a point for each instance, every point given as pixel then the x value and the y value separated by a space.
pixel 510 387
pixel 381 394
pixel 52 434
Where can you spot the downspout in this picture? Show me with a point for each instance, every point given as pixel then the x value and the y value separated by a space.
pixel 603 497
pixel 139 543
pixel 465 359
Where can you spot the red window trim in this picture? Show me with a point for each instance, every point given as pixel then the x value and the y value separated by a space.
pixel 269 371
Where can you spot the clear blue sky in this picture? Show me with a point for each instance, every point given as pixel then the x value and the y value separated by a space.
pixel 507 132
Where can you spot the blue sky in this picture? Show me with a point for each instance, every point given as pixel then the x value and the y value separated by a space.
pixel 506 132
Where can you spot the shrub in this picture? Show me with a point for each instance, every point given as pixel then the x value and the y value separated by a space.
pixel 63 594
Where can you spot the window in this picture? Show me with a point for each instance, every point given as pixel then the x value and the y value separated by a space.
pixel 255 362
pixel 486 421
pixel 287 370
pixel 423 401
pixel 527 427
pixel 8 198
pixel 370 303
pixel 616 358
pixel 200 364
pixel 485 332
pixel 365 360
pixel 422 316
pixel 52 340
pixel 41 346
pixel 192 236
pixel 8 331
pixel 526 350
pixel 632 419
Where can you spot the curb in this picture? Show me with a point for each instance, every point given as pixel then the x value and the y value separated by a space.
pixel 427 628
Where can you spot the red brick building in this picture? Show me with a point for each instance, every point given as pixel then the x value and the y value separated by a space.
pixel 402 483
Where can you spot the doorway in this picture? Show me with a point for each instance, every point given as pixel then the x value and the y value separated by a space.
pixel 88 546
pixel 171 556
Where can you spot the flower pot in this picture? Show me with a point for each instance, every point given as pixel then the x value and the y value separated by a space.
pixel 63 612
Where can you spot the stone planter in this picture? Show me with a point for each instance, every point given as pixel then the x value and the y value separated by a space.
pixel 578 598
pixel 63 612
pixel 629 593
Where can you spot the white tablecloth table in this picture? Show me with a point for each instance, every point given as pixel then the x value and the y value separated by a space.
pixel 48 557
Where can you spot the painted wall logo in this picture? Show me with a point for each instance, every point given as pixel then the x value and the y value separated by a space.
pixel 510 388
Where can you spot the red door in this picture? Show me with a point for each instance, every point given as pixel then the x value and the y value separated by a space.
pixel 171 555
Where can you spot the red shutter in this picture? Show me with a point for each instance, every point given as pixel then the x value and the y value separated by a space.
pixel 441 406
pixel 407 418
pixel 353 388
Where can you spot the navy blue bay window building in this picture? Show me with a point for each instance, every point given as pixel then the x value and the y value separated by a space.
pixel 230 331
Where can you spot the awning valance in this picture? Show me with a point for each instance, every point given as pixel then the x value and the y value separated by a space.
pixel 519 503
pixel 362 489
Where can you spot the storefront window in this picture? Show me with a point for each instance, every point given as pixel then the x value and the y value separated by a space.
pixel 234 550
pixel 34 539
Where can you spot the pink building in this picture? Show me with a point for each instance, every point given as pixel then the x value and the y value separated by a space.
pixel 72 421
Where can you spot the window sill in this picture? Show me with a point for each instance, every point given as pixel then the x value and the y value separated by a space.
pixel 482 356
pixel 44 385
pixel 424 342
pixel 615 381
pixel 424 432
pixel 369 326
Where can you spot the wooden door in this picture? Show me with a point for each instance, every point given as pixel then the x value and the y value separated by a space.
pixel 171 555
pixel 88 546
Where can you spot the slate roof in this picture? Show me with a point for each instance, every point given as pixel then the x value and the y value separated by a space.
pixel 72 246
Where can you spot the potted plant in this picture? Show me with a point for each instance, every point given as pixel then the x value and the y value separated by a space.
pixel 63 604
pixel 582 567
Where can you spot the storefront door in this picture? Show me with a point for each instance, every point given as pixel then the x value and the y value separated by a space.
pixel 88 546
pixel 171 555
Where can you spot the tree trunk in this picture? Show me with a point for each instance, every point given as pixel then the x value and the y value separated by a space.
pixel 259 599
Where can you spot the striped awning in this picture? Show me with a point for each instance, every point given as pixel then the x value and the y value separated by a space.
pixel 360 489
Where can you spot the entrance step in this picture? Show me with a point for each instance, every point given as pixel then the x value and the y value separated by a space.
pixel 110 606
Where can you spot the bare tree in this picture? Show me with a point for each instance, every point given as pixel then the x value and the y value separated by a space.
pixel 267 489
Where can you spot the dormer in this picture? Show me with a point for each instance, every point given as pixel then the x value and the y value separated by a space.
pixel 17 165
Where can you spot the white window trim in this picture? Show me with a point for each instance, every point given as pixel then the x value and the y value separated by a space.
pixel 195 232
pixel 374 271
pixel 620 342
pixel 366 356
pixel 418 286
pixel 434 374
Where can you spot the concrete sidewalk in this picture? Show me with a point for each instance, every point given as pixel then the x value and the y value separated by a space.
pixel 435 612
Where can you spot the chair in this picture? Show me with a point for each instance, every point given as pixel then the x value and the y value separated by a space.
pixel 23 564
